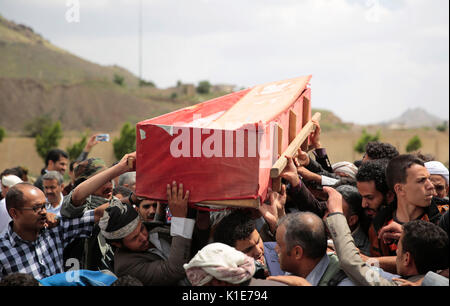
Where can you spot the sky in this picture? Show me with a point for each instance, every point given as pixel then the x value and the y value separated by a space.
pixel 370 60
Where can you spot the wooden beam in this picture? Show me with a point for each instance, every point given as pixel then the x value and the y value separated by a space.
pixel 293 147
pixel 276 182
pixel 292 125
pixel 251 203
pixel 305 115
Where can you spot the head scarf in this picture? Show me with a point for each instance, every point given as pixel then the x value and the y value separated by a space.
pixel 435 167
pixel 10 180
pixel 220 261
pixel 345 167
pixel 118 221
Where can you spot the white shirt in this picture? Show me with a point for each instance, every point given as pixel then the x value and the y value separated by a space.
pixel 55 210
pixel 4 216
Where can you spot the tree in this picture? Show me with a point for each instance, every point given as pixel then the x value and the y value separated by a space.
pixel 126 143
pixel 414 144
pixel 48 139
pixel 37 125
pixel 75 150
pixel 442 127
pixel 365 138
pixel 203 87
pixel 2 133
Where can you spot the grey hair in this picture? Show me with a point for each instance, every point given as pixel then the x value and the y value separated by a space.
pixel 53 175
pixel 307 230
pixel 128 178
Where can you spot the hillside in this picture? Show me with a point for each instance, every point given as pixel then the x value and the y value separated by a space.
pixel 38 78
pixel 26 54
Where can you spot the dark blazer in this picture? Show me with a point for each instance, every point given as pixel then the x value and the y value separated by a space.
pixel 150 268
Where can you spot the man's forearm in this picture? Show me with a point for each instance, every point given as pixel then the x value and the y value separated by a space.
pixel 89 186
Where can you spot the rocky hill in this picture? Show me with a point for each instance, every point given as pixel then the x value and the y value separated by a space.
pixel 415 118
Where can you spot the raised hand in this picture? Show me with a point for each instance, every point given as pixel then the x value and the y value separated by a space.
pixel 177 202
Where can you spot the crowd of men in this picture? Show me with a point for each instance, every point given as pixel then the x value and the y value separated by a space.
pixel 379 221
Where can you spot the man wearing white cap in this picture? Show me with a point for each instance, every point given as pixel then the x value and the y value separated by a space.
pixel 439 177
pixel 7 182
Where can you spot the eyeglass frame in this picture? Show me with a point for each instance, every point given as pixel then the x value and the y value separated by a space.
pixel 36 208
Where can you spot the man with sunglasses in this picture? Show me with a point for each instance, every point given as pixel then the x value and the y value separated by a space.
pixel 33 242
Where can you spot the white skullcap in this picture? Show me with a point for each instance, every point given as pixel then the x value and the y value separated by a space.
pixel 10 180
pixel 435 167
pixel 220 261
pixel 345 167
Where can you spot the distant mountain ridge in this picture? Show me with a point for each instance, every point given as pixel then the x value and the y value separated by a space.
pixel 414 118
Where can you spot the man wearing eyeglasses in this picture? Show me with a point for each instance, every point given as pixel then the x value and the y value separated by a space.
pixel 33 242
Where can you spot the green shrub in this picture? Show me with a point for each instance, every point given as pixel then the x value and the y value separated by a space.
pixel 2 133
pixel 365 138
pixel 442 127
pixel 126 143
pixel 414 144
pixel 48 139
pixel 119 80
pixel 75 150
pixel 203 87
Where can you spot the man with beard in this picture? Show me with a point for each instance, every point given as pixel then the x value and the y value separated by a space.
pixel 93 253
pixel 238 230
pixel 53 183
pixel 371 184
pixel 33 241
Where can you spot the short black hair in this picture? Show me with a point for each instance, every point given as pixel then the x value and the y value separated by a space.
pixel 379 150
pixel 353 198
pixel 14 197
pixel 19 279
pixel 238 225
pixel 127 280
pixel 374 170
pixel 428 245
pixel 397 167
pixel 54 155
pixel 122 190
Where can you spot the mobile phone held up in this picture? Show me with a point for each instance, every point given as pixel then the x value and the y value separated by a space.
pixel 102 137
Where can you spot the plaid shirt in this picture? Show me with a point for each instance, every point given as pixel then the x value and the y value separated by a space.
pixel 43 257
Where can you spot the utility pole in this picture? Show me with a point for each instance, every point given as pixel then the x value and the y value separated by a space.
pixel 140 41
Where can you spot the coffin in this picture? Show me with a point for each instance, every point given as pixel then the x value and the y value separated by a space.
pixel 222 150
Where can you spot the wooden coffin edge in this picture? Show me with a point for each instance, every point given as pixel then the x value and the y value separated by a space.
pixel 249 203
pixel 293 147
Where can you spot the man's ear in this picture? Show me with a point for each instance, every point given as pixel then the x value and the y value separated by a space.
pixel 51 164
pixel 353 220
pixel 390 196
pixel 13 213
pixel 407 259
pixel 297 252
pixel 398 188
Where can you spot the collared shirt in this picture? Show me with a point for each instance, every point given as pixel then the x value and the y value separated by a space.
pixel 316 274
pixel 55 210
pixel 183 227
pixel 43 257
